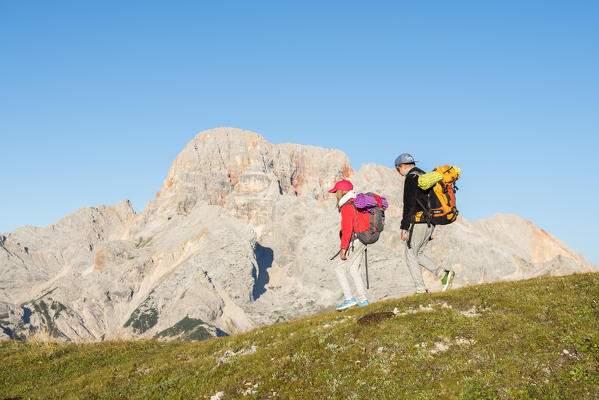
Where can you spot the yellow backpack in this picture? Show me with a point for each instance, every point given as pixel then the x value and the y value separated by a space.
pixel 441 208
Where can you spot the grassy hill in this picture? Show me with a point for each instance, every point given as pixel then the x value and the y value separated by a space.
pixel 534 339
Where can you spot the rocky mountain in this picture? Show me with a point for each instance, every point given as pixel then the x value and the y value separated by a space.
pixel 239 235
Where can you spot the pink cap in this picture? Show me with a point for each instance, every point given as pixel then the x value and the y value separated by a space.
pixel 342 185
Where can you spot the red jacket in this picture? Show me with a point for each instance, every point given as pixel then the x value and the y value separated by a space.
pixel 349 223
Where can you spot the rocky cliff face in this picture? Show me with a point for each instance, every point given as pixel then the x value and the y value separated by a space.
pixel 239 235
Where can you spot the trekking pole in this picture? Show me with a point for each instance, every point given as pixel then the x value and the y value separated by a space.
pixel 336 254
pixel 366 265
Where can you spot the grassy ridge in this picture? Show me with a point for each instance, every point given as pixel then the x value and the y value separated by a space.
pixel 534 339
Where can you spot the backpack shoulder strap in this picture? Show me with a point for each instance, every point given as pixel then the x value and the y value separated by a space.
pixel 357 216
pixel 378 199
pixel 415 171
pixel 349 203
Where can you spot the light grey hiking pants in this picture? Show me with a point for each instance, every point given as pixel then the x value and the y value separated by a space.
pixel 353 262
pixel 421 235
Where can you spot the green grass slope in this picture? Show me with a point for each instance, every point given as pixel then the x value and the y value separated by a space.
pixel 534 339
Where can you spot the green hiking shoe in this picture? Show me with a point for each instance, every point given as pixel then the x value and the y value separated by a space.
pixel 447 280
pixel 425 291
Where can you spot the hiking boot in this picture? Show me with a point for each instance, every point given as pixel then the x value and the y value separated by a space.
pixel 363 303
pixel 346 304
pixel 447 280
pixel 425 291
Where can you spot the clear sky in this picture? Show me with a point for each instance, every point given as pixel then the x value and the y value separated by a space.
pixel 98 98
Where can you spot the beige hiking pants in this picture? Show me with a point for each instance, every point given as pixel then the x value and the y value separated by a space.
pixel 421 235
pixel 353 262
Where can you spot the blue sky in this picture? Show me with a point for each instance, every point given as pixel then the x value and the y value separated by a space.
pixel 97 99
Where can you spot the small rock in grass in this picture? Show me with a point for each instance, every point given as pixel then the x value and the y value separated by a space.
pixel 463 341
pixel 440 347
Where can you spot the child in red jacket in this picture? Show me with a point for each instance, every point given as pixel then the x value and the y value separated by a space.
pixel 351 248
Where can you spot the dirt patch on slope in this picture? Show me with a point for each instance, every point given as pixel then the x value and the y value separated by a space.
pixel 375 317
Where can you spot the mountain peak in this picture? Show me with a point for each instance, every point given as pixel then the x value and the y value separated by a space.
pixel 227 164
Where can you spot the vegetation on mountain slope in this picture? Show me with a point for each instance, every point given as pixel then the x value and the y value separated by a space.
pixel 534 339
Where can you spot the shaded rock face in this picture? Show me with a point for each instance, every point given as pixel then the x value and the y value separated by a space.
pixel 239 235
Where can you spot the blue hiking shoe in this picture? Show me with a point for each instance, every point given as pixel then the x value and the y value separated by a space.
pixel 362 303
pixel 346 304
pixel 447 280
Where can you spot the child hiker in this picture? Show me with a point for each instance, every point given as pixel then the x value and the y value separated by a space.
pixel 350 255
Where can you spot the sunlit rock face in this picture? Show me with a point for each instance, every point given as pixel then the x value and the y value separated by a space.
pixel 239 235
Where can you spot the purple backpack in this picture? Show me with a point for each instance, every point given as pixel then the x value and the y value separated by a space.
pixel 375 205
